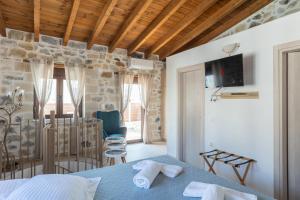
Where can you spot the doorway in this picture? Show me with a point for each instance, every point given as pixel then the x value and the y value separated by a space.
pixel 191 114
pixel 286 121
pixel 133 115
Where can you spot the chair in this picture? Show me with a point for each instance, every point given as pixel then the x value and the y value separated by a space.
pixel 111 124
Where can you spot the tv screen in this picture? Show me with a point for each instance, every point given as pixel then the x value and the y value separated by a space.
pixel 225 72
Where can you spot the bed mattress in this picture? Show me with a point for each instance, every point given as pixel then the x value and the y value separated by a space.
pixel 117 184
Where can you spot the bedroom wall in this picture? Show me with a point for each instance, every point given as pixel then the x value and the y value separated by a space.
pixel 101 91
pixel 241 126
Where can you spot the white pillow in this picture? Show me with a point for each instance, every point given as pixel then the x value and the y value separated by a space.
pixel 8 186
pixel 56 186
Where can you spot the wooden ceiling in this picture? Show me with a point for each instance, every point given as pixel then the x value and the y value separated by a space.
pixel 161 27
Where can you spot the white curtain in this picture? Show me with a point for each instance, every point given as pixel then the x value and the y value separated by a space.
pixel 125 81
pixel 75 78
pixel 42 75
pixel 146 85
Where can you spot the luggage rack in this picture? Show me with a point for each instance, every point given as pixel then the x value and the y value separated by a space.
pixel 234 160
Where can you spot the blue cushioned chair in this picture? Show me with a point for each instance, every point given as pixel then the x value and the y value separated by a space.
pixel 111 124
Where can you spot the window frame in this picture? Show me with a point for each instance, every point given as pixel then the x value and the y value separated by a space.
pixel 59 77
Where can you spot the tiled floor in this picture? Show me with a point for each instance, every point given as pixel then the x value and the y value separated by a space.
pixel 140 150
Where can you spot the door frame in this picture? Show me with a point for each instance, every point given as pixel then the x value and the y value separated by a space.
pixel 280 117
pixel 180 72
pixel 142 110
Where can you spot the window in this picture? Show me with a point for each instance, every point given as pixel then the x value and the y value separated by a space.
pixel 60 100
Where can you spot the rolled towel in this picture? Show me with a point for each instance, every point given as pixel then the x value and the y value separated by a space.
pixel 146 176
pixel 198 189
pixel 168 170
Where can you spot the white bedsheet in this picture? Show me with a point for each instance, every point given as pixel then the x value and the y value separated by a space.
pixel 55 186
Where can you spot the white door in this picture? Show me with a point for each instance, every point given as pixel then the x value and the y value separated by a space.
pixel 191 115
pixel 294 126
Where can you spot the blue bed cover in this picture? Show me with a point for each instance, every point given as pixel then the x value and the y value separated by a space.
pixel 117 184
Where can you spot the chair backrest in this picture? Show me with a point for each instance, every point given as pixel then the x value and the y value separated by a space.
pixel 111 119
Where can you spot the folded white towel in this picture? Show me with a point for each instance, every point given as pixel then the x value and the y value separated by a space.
pixel 168 170
pixel 198 189
pixel 195 189
pixel 146 176
pixel 213 192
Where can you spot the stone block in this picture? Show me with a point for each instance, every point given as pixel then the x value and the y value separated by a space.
pixel 107 74
pixel 31 55
pixel 91 89
pixel 19 35
pixel 14 77
pixel 117 52
pixel 51 40
pixel 45 51
pixel 8 42
pixel 70 53
pixel 77 44
pixel 21 66
pixel 26 45
pixel 100 48
pixel 97 99
pixel 92 56
pixel 17 53
pixel 3 51
pixel 109 107
pixel 110 90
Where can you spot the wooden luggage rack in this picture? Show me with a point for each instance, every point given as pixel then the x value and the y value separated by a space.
pixel 235 161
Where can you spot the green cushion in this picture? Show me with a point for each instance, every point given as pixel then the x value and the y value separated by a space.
pixel 111 124
pixel 111 120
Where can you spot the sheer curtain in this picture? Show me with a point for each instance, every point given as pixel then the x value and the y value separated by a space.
pixel 42 75
pixel 75 78
pixel 125 81
pixel 146 85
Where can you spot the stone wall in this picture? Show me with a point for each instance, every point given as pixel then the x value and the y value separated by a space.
pixel 101 90
pixel 275 10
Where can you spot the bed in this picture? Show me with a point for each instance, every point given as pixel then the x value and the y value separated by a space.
pixel 117 184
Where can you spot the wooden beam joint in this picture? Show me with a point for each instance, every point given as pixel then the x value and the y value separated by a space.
pixel 108 8
pixel 212 19
pixel 129 22
pixel 71 21
pixel 169 10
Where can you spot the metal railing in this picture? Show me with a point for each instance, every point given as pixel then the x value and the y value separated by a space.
pixel 66 147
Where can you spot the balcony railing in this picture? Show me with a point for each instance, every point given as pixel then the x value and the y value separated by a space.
pixel 66 147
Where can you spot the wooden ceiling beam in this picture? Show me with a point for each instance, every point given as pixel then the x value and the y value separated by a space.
pixel 106 11
pixel 242 13
pixel 2 25
pixel 186 21
pixel 71 21
pixel 220 13
pixel 169 10
pixel 36 19
pixel 129 22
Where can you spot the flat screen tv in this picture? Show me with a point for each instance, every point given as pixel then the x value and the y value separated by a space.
pixel 225 72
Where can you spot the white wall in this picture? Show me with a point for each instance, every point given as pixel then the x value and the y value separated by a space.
pixel 241 126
